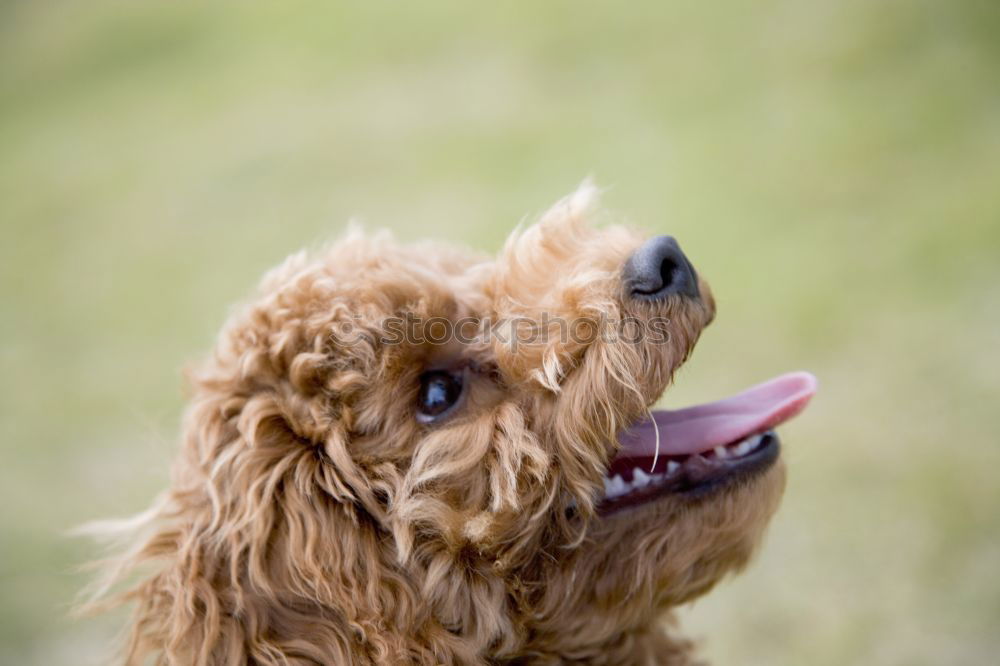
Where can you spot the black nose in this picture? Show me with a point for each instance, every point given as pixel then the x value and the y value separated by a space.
pixel 659 269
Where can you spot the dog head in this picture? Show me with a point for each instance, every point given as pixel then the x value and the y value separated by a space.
pixel 406 449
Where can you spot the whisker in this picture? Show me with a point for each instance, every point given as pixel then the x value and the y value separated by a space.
pixel 656 429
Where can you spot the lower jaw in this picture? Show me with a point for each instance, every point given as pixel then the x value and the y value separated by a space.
pixel 701 482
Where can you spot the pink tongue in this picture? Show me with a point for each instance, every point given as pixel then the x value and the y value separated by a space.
pixel 703 427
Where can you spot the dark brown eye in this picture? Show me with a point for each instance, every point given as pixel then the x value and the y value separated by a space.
pixel 439 391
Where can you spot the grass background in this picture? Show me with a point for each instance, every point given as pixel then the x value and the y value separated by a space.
pixel 833 168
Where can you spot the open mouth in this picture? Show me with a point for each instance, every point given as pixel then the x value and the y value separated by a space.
pixel 701 449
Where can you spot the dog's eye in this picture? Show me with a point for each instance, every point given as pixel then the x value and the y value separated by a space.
pixel 439 391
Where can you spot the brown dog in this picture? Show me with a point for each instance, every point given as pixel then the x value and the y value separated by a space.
pixel 412 454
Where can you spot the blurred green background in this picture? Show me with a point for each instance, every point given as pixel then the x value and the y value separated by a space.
pixel 832 167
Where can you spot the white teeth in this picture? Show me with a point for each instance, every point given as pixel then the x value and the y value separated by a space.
pixel 615 487
pixel 640 478
pixel 746 446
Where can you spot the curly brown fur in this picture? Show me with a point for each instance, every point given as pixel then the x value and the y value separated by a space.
pixel 311 519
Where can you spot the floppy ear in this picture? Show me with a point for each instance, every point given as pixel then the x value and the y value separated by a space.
pixel 269 522
pixel 262 558
pixel 257 533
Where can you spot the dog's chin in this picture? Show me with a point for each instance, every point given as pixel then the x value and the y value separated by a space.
pixel 692 454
